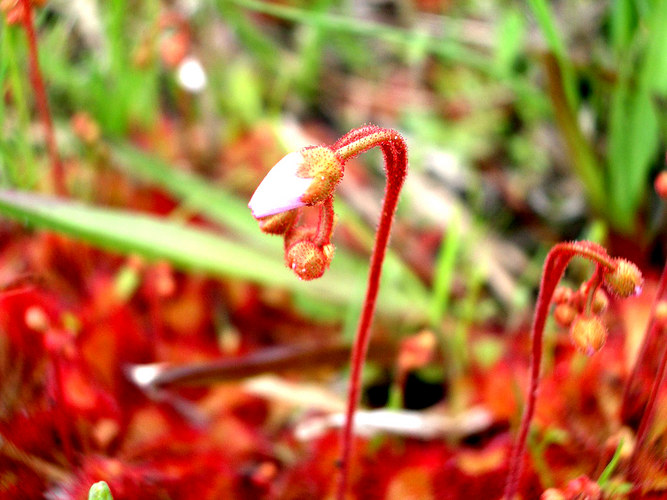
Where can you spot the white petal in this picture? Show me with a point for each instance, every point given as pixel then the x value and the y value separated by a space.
pixel 281 189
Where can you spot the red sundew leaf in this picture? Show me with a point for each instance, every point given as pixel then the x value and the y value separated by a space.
pixel 84 398
pixel 189 313
pixel 233 400
pixel 17 482
pixel 482 474
pixel 388 471
pixel 410 482
pixel 493 390
pixel 32 430
pixel 312 476
pixel 109 339
pixel 63 263
pixel 24 313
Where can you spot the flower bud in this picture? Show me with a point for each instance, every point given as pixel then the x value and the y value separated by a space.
pixel 278 223
pixel 624 281
pixel 588 334
pixel 307 260
pixel 600 302
pixel 562 295
pixel 564 315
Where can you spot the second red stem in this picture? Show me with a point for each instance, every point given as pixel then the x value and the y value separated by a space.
pixel 554 267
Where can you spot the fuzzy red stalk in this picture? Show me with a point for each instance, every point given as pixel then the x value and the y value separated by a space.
pixel 554 267
pixel 394 150
pixel 631 406
pixel 41 100
pixel 649 411
pixel 654 331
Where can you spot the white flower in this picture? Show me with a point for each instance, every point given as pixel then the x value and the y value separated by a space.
pixel 281 189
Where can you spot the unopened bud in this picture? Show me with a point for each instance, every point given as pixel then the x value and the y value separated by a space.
pixel 588 334
pixel 600 302
pixel 308 260
pixel 625 281
pixel 278 223
pixel 564 315
pixel 562 295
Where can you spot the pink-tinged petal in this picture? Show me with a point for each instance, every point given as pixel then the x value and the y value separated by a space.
pixel 281 189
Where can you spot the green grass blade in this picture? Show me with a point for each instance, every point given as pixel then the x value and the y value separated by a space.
pixel 622 24
pixel 445 48
pixel 191 248
pixel 546 21
pixel 633 142
pixel 654 71
pixel 444 270
pixel 195 193
pixel 611 466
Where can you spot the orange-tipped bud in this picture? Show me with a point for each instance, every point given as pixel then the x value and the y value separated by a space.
pixel 307 260
pixel 562 295
pixel 625 281
pixel 600 302
pixel 564 315
pixel 278 223
pixel 588 334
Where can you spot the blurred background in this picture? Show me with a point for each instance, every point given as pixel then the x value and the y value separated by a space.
pixel 528 123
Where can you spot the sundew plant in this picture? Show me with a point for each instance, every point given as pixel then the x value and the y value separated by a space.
pixel 351 250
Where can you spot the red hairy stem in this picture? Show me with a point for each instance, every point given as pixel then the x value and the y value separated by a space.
pixel 633 386
pixel 326 223
pixel 649 411
pixel 40 99
pixel 554 268
pixel 394 150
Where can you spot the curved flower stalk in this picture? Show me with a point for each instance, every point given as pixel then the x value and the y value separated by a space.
pixel 309 178
pixel 620 277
